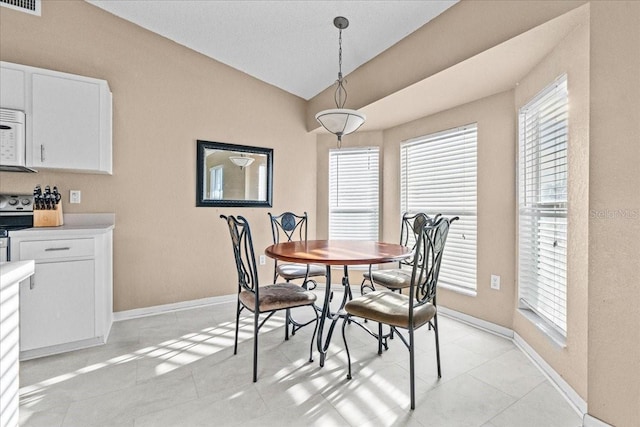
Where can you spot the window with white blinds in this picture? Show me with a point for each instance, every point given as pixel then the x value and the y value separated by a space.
pixel 353 193
pixel 542 176
pixel 439 176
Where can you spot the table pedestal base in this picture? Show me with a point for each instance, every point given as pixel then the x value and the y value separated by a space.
pixel 328 314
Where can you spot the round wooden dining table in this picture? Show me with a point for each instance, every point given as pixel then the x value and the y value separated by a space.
pixel 336 252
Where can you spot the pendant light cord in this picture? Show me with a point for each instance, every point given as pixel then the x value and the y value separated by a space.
pixel 340 95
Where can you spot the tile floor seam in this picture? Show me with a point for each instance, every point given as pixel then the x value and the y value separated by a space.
pixel 338 410
pixel 542 380
pixel 480 354
pixel 66 414
pixel 515 402
pixel 517 398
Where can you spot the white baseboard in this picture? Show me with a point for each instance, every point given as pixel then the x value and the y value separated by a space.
pixel 61 348
pixel 474 321
pixel 590 421
pixel 166 308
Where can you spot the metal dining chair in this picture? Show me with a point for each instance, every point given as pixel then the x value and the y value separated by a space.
pixel 410 311
pixel 289 227
pixel 258 299
pixel 398 278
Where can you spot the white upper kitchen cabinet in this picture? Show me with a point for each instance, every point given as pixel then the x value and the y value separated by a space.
pixel 12 94
pixel 68 118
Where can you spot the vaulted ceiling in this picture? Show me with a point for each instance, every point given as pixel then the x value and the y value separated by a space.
pixel 290 44
pixel 293 45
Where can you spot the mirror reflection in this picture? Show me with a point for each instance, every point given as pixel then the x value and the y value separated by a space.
pixel 233 175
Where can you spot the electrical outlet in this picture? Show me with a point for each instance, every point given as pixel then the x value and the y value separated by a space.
pixel 495 282
pixel 75 196
pixel 263 260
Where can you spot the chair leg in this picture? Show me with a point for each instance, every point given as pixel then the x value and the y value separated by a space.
pixel 435 329
pixel 346 346
pixel 315 331
pixel 255 345
pixel 287 318
pixel 235 345
pixel 379 338
pixel 412 374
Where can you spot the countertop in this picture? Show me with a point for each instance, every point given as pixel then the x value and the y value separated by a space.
pixel 77 224
pixel 16 271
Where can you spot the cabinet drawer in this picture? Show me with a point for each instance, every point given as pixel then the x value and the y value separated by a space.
pixel 56 249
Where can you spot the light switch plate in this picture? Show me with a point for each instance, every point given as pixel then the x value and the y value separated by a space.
pixel 263 259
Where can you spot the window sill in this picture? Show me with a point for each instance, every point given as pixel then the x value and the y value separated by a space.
pixel 554 336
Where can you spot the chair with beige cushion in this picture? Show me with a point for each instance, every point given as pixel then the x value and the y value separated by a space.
pixel 289 227
pixel 410 311
pixel 258 299
pixel 398 278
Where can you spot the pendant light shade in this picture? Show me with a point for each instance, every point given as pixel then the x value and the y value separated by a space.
pixel 340 121
pixel 241 161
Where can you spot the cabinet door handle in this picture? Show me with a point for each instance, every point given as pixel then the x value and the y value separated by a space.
pixel 41 152
pixel 66 248
pixel 32 282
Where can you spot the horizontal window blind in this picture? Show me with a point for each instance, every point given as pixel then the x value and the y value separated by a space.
pixel 542 176
pixel 439 175
pixel 353 193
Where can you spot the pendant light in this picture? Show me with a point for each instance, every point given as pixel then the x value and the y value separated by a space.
pixel 340 121
pixel 241 160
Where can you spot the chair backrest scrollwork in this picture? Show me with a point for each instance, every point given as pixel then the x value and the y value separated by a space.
pixel 411 226
pixel 243 253
pixel 429 248
pixel 288 227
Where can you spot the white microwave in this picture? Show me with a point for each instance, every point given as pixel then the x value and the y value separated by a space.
pixel 13 141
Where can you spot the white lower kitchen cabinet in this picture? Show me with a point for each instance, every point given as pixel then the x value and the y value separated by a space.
pixel 68 303
pixel 58 306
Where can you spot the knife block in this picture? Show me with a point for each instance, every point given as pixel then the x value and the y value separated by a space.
pixel 48 217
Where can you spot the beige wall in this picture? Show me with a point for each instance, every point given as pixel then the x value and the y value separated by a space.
pixel 165 97
pixel 570 57
pixel 614 186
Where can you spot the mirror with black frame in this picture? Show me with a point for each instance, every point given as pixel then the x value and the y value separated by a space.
pixel 233 175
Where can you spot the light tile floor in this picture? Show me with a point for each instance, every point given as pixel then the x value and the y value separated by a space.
pixel 178 369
